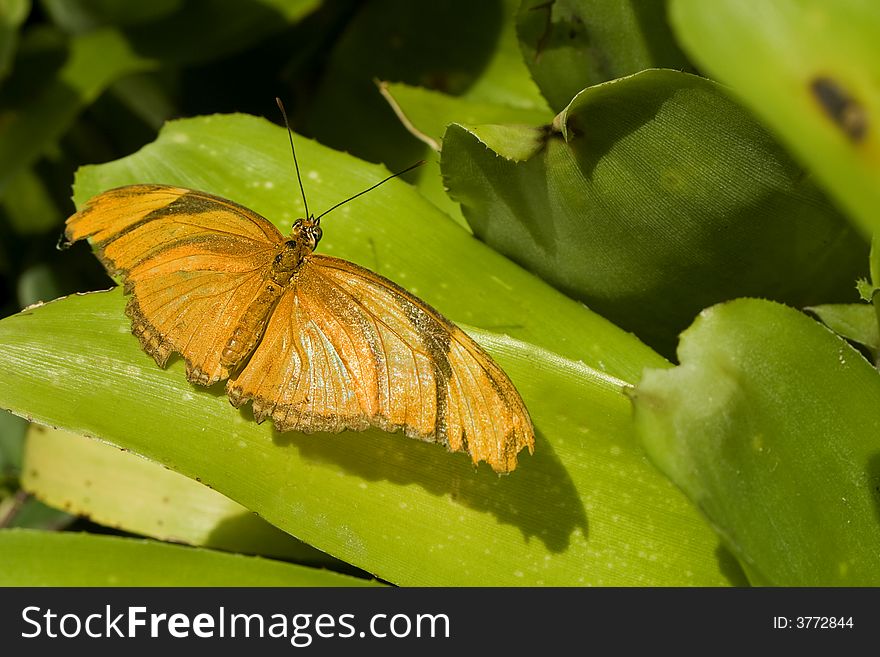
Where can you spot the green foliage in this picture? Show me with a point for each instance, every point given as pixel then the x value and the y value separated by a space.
pixel 855 321
pixel 570 375
pixel 117 488
pixel 12 15
pixel 34 558
pixel 573 44
pixel 609 205
pixel 808 69
pixel 650 197
pixel 769 425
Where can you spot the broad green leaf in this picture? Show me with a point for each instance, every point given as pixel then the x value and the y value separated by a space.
pixel 481 68
pixel 874 267
pixel 426 113
pixel 177 32
pixel 854 321
pixel 80 16
pixel 119 489
pixel 199 31
pixel 409 42
pixel 573 44
pixel 142 95
pixel 12 14
pixel 505 79
pixel 27 512
pixel 28 205
pixel 638 205
pixel 36 558
pixel 586 508
pixel 874 259
pixel 205 30
pixel 516 143
pixel 37 284
pixel 38 119
pixel 770 426
pixel 12 431
pixel 809 70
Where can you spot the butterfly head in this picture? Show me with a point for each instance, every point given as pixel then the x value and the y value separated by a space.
pixel 307 232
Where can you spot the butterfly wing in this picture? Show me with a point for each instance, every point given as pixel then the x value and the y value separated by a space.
pixel 192 262
pixel 347 349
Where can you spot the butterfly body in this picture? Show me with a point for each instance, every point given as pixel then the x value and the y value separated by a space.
pixel 305 236
pixel 249 330
pixel 315 343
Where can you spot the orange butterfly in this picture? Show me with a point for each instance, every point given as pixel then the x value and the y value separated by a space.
pixel 315 342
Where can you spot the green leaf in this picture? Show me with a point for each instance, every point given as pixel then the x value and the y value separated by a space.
pixel 29 206
pixel 505 79
pixel 27 512
pixel 854 321
pixel 36 558
pixel 119 489
pixel 874 261
pixel 206 30
pixel 865 289
pixel 176 32
pixel 585 509
pixel 478 73
pixel 12 14
pixel 426 113
pixel 409 42
pixel 770 426
pixel 37 284
pixel 78 16
pixel 869 292
pixel 37 119
pixel 96 59
pixel 516 143
pixel 809 70
pixel 12 430
pixel 638 205
pixel 600 515
pixel 145 97
pixel 573 44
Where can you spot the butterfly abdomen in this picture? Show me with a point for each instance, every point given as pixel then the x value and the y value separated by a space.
pixel 250 328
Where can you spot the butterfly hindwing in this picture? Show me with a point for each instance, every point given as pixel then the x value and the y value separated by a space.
pixel 346 349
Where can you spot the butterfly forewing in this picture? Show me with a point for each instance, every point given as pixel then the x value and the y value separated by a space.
pixel 192 262
pixel 128 223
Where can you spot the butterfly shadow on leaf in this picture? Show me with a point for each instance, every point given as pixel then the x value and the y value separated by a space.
pixel 539 497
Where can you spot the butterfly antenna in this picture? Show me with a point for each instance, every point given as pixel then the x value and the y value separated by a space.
pixel 293 150
pixel 369 189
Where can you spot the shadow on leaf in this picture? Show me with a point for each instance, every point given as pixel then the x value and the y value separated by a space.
pixel 539 497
